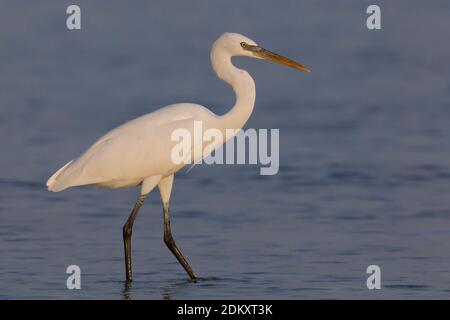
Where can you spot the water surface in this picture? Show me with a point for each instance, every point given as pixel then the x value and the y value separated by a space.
pixel 364 151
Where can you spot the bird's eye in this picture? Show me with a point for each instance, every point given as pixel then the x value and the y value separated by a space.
pixel 243 45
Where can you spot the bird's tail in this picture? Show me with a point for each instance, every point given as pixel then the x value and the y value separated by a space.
pixel 52 182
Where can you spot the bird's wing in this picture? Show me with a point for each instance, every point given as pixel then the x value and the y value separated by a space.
pixel 131 152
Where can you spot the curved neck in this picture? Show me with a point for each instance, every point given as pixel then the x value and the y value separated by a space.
pixel 243 86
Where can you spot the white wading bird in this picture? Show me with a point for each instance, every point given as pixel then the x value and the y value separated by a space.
pixel 139 151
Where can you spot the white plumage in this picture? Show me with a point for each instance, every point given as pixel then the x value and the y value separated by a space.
pixel 132 152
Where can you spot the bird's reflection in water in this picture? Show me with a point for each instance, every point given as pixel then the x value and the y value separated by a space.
pixel 126 294
pixel 179 287
pixel 173 289
pixel 165 295
pixel 176 288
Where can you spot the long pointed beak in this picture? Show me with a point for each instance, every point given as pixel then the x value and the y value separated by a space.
pixel 268 55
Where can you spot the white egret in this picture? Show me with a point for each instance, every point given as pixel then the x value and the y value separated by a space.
pixel 139 151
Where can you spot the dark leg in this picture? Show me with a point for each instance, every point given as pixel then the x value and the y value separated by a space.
pixel 127 231
pixel 168 239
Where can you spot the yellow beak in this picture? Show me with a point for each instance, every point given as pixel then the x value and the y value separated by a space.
pixel 268 55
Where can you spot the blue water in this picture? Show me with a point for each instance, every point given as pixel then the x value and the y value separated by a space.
pixel 364 150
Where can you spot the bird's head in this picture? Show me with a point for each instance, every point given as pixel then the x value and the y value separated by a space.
pixel 239 45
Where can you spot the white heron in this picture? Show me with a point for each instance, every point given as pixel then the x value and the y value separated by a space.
pixel 139 151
